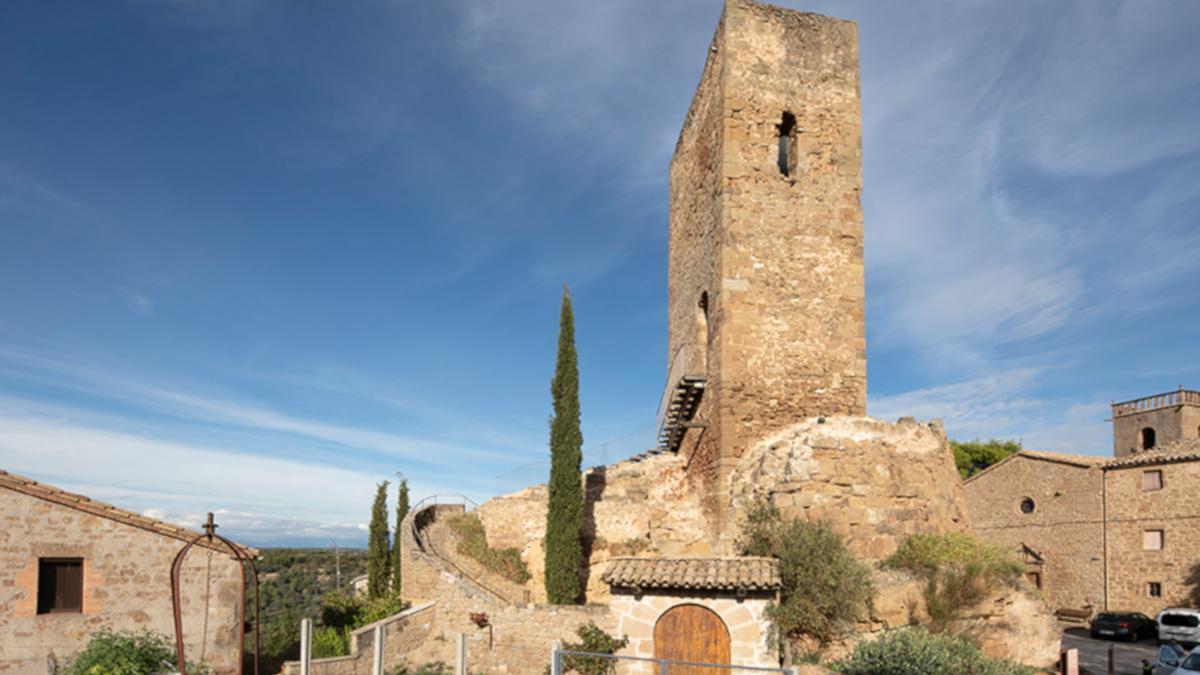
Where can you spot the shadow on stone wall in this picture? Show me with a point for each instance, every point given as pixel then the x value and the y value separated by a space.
pixel 595 481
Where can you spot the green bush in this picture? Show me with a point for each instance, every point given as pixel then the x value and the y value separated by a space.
pixel 342 610
pixel 124 653
pixel 379 608
pixel 825 588
pixel 960 571
pixel 329 641
pixel 971 457
pixel 472 541
pixel 915 651
pixel 435 668
pixel 592 639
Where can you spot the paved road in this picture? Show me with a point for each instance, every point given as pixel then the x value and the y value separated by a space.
pixel 1093 654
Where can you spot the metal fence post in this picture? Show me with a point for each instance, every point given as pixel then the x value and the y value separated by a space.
pixel 556 665
pixel 1110 660
pixel 662 668
pixel 460 656
pixel 377 651
pixel 305 646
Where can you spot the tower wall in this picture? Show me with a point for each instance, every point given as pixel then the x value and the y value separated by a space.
pixel 779 255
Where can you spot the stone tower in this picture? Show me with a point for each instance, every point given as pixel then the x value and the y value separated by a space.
pixel 766 239
pixel 1146 423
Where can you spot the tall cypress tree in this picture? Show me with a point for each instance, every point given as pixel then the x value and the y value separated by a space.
pixel 564 517
pixel 379 564
pixel 401 513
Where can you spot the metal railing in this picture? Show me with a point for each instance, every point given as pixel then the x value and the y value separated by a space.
pixel 663 666
pixel 425 544
pixel 683 364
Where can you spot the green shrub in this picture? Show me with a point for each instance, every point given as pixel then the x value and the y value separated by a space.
pixel 915 651
pixel 379 608
pixel 592 639
pixel 825 588
pixel 960 571
pixel 342 610
pixel 435 668
pixel 329 641
pixel 124 653
pixel 472 541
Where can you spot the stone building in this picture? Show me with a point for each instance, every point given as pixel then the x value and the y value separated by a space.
pixel 1102 533
pixel 70 566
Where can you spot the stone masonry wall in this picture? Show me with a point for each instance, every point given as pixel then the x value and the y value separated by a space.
pixel 1065 527
pixel 1169 424
pixel 402 634
pixel 631 508
pixel 877 483
pixel 126 586
pixel 1131 511
pixel 779 256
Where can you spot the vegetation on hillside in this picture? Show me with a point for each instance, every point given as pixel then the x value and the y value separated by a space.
pixel 472 541
pixel 564 516
pixel 915 651
pixel 825 588
pixel 960 571
pixel 971 457
pixel 292 584
pixel 379 561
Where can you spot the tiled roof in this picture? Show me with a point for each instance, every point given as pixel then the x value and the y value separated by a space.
pixel 50 493
pixel 714 574
pixel 1183 450
pixel 1065 458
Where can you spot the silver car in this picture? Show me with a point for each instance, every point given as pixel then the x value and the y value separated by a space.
pixel 1170 662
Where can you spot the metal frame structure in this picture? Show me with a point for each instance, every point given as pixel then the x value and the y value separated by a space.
pixel 210 533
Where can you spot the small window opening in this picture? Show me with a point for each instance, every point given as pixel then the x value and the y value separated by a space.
pixel 60 585
pixel 1152 540
pixel 1035 579
pixel 1154 589
pixel 1148 440
pixel 1152 480
pixel 1027 505
pixel 786 128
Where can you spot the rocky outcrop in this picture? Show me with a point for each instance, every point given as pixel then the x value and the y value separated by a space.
pixel 875 482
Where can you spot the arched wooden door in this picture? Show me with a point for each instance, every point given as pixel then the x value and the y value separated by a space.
pixel 691 633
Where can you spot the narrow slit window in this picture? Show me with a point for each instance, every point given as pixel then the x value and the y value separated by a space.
pixel 787 129
pixel 1154 589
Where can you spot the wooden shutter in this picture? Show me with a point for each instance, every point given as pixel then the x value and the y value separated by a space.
pixel 60 585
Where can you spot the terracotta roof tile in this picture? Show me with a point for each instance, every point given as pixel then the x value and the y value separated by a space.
pixel 723 574
pixel 1176 451
pixel 1065 458
pixel 79 502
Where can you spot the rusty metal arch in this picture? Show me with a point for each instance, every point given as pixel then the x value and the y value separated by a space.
pixel 210 533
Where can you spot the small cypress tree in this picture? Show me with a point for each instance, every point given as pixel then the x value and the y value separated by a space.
pixel 401 514
pixel 378 560
pixel 564 517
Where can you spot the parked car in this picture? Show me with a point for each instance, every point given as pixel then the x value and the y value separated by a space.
pixel 1180 625
pixel 1170 662
pixel 1131 626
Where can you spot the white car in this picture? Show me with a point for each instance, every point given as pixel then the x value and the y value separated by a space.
pixel 1180 625
pixel 1169 662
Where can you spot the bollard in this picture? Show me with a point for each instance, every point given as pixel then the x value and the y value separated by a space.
pixel 1110 660
pixel 377 651
pixel 460 657
pixel 305 646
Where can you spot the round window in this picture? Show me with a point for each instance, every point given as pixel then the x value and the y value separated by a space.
pixel 1027 505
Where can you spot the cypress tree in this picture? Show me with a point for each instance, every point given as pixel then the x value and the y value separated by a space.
pixel 378 561
pixel 564 516
pixel 401 513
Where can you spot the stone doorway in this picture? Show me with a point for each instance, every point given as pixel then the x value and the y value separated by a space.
pixel 691 633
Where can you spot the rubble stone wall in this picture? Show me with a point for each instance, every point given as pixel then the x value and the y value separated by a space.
pixel 126 583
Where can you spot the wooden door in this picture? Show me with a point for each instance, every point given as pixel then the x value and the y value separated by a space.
pixel 691 633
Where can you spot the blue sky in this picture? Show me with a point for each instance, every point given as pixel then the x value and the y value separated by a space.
pixel 256 256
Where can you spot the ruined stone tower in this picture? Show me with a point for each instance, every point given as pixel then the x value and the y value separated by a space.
pixel 1147 423
pixel 766 239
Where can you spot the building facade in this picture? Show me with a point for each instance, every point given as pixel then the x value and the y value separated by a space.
pixel 1105 533
pixel 70 566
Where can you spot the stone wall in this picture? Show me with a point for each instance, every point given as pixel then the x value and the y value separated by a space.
pixel 750 642
pixel 877 483
pixel 1132 511
pixel 127 572
pixel 1066 526
pixel 402 634
pixel 780 257
pixel 1169 424
pixel 631 508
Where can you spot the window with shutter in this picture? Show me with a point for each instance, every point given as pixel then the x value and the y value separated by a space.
pixel 60 585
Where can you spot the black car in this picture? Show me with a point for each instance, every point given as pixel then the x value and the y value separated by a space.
pixel 1132 626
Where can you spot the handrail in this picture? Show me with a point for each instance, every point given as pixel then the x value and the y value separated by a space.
pixel 468 503
pixel 426 544
pixel 1168 399
pixel 681 367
